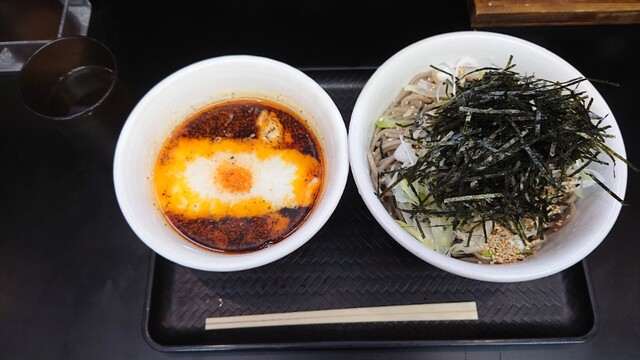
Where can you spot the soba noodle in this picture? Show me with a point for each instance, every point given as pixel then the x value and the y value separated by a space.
pixel 493 244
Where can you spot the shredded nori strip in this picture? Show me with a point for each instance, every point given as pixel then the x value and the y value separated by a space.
pixel 500 149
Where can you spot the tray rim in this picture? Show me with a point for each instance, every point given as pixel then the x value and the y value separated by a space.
pixel 360 344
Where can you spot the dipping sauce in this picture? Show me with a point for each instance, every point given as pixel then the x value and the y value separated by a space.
pixel 239 175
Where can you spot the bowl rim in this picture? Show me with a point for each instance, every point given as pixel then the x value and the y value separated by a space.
pixel 493 273
pixel 197 257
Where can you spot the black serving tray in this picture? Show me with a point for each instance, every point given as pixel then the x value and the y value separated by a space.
pixel 352 262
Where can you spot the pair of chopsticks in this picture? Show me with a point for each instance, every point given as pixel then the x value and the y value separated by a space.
pixel 422 312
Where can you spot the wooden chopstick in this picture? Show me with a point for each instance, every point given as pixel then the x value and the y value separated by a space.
pixel 422 312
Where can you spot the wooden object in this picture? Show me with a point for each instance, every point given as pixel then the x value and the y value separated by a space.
pixel 423 312
pixel 502 13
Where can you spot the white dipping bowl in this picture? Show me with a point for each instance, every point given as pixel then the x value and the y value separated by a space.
pixel 181 94
pixel 596 213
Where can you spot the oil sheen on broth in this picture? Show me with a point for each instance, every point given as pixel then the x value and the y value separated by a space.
pixel 239 175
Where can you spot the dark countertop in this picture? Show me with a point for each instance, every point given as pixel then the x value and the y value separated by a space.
pixel 72 273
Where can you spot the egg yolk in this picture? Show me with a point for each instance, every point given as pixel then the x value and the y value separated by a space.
pixel 233 178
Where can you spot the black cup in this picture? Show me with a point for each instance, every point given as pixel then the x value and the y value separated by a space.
pixel 72 82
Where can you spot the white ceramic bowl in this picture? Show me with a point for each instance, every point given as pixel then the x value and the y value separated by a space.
pixel 596 213
pixel 172 100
